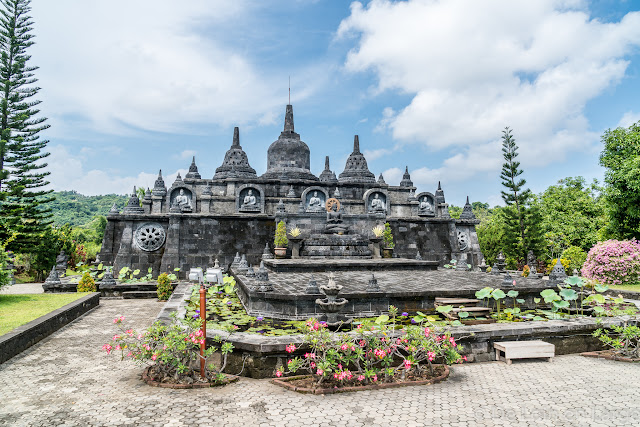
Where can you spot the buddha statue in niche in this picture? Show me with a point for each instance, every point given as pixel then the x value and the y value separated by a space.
pixel 335 223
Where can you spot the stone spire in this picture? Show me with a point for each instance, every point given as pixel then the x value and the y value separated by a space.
pixel 327 175
pixel 236 162
pixel 159 189
pixel 133 206
pixel 467 211
pixel 439 194
pixel 114 209
pixel 356 169
pixel 178 181
pixel 193 170
pixel 147 194
pixel 288 158
pixel 406 178
pixel 381 180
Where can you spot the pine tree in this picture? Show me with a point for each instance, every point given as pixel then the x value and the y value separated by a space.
pixel 21 150
pixel 522 218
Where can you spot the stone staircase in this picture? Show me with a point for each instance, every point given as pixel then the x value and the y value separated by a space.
pixel 131 290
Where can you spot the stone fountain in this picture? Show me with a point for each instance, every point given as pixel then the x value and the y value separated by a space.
pixel 331 305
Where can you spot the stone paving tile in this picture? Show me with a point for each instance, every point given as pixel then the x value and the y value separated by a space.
pixel 67 380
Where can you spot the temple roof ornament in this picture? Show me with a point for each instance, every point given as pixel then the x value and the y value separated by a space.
pixel 439 194
pixel 236 162
pixel 133 205
pixel 178 182
pixel 288 158
pixel 159 189
pixel 147 194
pixel 381 180
pixel 406 178
pixel 467 211
pixel 356 169
pixel 193 170
pixel 327 175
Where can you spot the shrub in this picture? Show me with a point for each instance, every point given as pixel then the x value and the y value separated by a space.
pixel 624 340
pixel 86 283
pixel 165 288
pixel 371 355
pixel 5 275
pixel 526 271
pixel 174 350
pixel 576 257
pixel 281 240
pixel 387 236
pixel 565 263
pixel 613 262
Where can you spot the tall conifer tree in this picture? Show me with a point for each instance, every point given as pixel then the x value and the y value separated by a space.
pixel 22 178
pixel 523 232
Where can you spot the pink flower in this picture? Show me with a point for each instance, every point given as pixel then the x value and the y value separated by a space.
pixel 344 347
pixel 362 343
pixel 129 332
pixel 431 355
pixel 407 364
pixel 319 372
pixel 154 357
pixel 361 378
pixel 375 378
pixel 115 337
pixel 290 348
pixel 312 364
pixel 278 374
pixel 118 347
pixel 107 348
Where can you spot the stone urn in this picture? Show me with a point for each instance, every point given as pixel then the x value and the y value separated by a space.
pixel 280 252
pixel 375 246
pixel 295 246
pixel 387 252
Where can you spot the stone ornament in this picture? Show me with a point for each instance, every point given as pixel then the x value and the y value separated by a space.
pixel 150 236
pixel 377 203
pixel 249 200
pixel 315 203
pixel 463 240
pixel 332 201
pixel 426 205
pixel 181 200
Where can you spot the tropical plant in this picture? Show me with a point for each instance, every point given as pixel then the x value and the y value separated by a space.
pixel 165 288
pixel 173 350
pixel 280 240
pixel 624 340
pixel 378 231
pixel 86 283
pixel 613 262
pixel 387 236
pixel 379 353
pixel 576 257
pixel 295 232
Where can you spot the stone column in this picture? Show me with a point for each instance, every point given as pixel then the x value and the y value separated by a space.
pixel 295 246
pixel 171 257
pixel 156 204
pixel 375 247
pixel 205 204
pixel 146 205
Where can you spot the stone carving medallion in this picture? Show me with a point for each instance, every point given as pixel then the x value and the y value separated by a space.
pixel 463 240
pixel 332 201
pixel 149 236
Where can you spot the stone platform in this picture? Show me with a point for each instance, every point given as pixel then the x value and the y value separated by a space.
pixel 409 289
pixel 345 264
pixel 336 245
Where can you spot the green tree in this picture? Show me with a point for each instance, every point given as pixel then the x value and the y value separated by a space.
pixel 491 232
pixel 621 158
pixel 573 214
pixel 522 217
pixel 21 168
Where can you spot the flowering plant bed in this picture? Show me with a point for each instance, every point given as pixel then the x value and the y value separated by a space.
pixel 155 378
pixel 307 384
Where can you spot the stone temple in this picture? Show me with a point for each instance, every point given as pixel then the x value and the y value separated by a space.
pixel 198 220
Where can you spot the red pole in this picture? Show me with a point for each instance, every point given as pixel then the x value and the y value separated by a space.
pixel 203 328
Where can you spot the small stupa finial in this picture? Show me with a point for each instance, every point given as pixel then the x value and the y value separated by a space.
pixel 356 144
pixel 326 163
pixel 236 137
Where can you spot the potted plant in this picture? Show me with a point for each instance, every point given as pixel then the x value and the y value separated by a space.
pixel 280 242
pixel 387 240
pixel 295 239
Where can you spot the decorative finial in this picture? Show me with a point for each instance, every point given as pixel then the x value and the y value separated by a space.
pixel 288 120
pixel 356 144
pixel 326 163
pixel 439 188
pixel 236 137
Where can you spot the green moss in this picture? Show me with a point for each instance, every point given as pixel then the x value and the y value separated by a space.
pixel 17 310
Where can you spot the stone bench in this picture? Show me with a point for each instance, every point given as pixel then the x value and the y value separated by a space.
pixel 524 350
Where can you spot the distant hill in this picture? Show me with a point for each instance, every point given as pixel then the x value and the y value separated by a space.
pixel 73 208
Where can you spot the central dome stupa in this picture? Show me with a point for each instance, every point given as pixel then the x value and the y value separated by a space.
pixel 288 157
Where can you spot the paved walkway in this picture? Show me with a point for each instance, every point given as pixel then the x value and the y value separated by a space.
pixel 67 380
pixel 23 288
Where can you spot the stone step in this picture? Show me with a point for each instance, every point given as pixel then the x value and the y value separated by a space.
pixel 456 301
pixel 475 310
pixel 139 294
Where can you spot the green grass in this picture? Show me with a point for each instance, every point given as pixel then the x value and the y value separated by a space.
pixel 19 309
pixel 633 288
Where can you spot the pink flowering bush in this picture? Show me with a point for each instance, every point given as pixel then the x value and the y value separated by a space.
pixel 378 353
pixel 613 262
pixel 173 351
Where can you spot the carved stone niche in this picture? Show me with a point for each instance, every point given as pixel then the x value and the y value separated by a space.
pixel 250 198
pixel 464 240
pixel 377 201
pixel 426 204
pixel 182 199
pixel 315 199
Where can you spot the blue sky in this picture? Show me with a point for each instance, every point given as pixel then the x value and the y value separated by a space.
pixel 132 87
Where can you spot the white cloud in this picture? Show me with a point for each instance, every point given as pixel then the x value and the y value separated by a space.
pixel 68 173
pixel 392 176
pixel 372 155
pixel 628 119
pixel 187 154
pixel 145 64
pixel 475 67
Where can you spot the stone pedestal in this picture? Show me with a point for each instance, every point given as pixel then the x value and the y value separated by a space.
pixel 375 247
pixel 295 246
pixel 205 204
